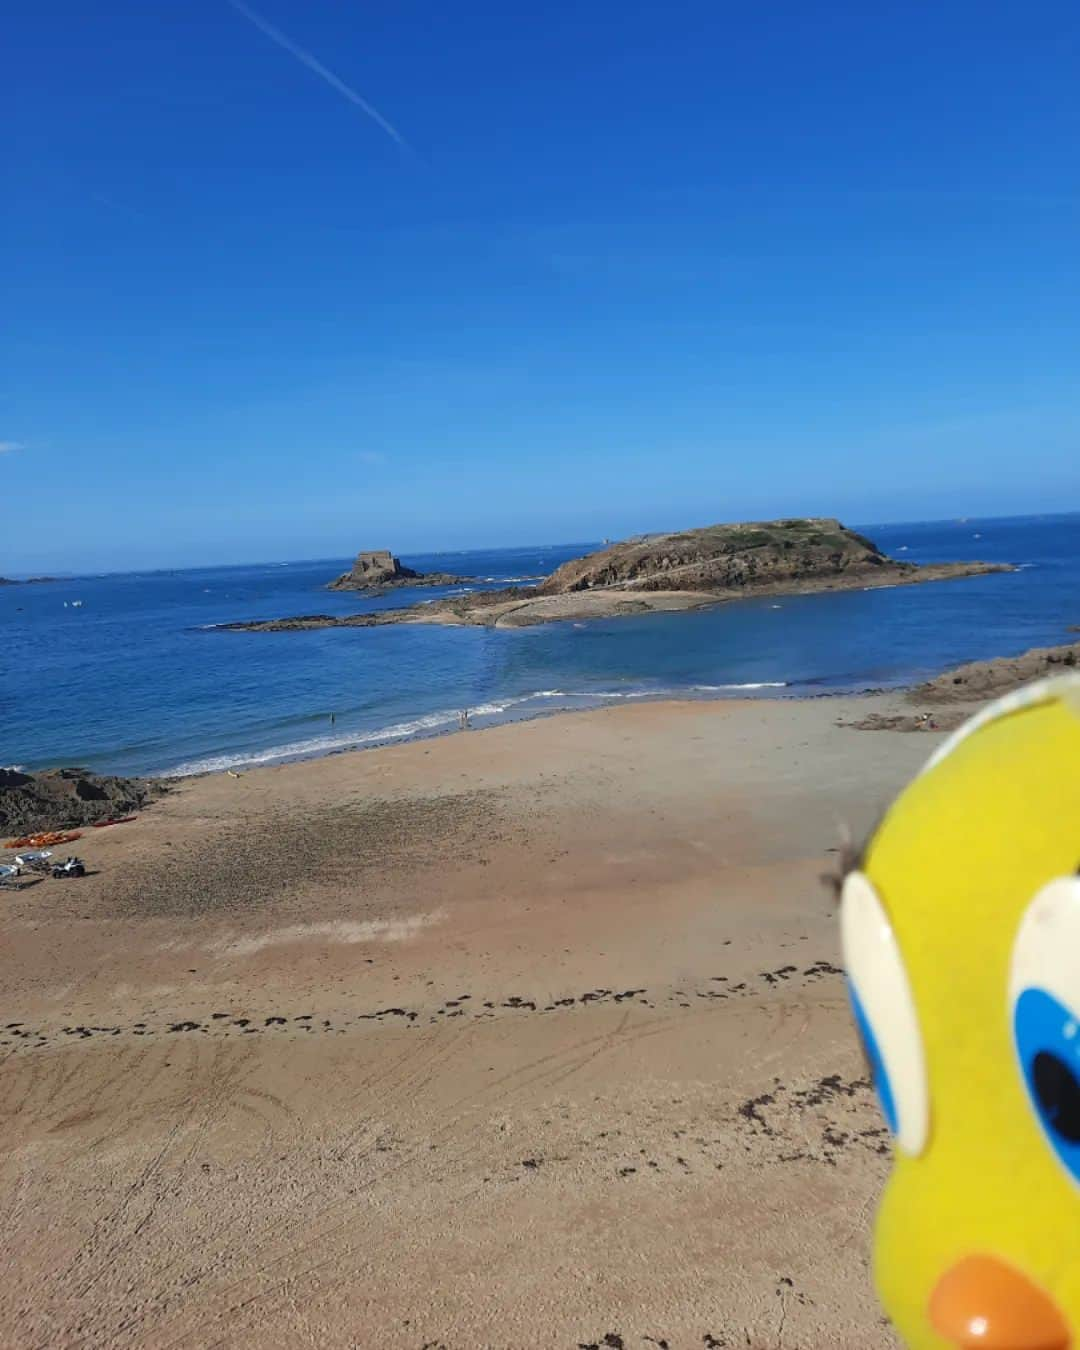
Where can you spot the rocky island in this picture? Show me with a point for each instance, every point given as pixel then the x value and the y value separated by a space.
pixel 378 570
pixel 684 570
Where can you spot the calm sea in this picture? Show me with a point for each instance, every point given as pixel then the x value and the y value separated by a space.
pixel 124 673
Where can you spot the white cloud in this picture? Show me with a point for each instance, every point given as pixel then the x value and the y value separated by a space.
pixel 6 446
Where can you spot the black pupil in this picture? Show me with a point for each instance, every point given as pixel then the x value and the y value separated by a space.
pixel 1058 1091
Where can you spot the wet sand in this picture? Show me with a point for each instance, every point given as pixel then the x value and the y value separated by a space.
pixel 533 1036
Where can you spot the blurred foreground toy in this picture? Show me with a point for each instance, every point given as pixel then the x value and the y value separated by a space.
pixel 961 931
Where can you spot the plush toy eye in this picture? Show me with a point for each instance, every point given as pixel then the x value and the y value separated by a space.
pixel 885 1013
pixel 1044 986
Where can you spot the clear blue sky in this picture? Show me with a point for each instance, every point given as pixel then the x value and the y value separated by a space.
pixel 331 273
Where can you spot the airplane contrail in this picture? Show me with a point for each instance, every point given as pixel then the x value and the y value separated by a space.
pixel 306 59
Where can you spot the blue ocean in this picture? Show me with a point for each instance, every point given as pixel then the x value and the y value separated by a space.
pixel 125 673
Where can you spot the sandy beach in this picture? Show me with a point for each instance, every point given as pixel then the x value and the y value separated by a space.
pixel 532 1036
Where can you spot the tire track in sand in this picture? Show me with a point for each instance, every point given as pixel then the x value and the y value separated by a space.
pixel 334 1222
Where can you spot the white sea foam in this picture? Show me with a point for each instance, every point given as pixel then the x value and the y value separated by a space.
pixel 589 693
pixel 430 724
pixel 656 693
pixel 493 709
pixel 317 745
pixel 750 684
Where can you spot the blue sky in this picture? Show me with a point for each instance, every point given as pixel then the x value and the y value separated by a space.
pixel 324 275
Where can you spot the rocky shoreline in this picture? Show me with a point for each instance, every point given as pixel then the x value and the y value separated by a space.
pixel 519 607
pixel 56 799
pixel 939 704
pixel 664 572
pixel 978 680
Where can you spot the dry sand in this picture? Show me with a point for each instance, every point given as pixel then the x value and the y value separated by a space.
pixel 531 1036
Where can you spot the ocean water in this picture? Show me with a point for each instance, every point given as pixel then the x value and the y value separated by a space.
pixel 126 673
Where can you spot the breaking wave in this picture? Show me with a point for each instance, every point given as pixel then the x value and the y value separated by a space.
pixel 444 720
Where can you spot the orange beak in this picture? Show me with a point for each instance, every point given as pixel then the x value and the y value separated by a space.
pixel 982 1302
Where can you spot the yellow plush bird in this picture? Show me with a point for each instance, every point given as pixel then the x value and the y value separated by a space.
pixel 961 930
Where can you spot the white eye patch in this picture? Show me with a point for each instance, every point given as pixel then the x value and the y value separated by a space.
pixel 885 1012
pixel 1044 1003
pixel 1046 954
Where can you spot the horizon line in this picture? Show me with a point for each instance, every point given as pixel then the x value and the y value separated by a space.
pixel 21 576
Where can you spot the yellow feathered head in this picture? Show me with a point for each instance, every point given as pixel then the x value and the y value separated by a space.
pixel 961 938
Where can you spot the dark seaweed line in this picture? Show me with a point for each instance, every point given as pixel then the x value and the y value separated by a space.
pixel 18 1036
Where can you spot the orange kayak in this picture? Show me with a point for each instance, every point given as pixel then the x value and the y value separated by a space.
pixel 45 840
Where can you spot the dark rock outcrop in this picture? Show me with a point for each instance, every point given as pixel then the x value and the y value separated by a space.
pixel 299 623
pixel 378 570
pixel 1000 675
pixel 455 609
pixel 374 568
pixel 57 799
pixel 942 699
